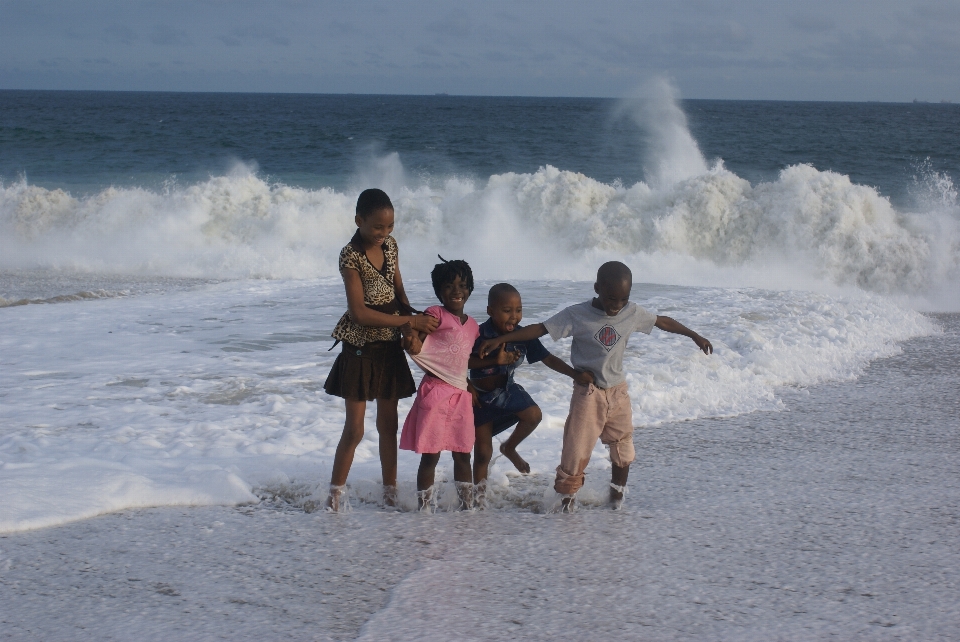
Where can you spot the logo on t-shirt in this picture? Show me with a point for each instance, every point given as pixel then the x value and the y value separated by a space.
pixel 607 336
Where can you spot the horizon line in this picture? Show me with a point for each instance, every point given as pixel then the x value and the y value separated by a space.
pixel 915 101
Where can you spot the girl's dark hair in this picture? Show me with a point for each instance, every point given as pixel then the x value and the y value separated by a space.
pixel 447 271
pixel 372 200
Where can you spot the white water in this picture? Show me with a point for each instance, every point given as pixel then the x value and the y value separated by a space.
pixel 190 392
pixel 204 394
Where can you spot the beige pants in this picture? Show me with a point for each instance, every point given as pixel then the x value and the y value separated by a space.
pixel 594 413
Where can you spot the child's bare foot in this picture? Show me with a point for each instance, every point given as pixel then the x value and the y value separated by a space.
pixel 518 462
pixel 337 499
pixel 616 496
pixel 567 504
pixel 390 499
pixel 464 495
pixel 426 502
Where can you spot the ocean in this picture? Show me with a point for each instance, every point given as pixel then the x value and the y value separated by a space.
pixel 168 285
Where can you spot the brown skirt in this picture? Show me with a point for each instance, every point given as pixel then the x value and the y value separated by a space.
pixel 378 370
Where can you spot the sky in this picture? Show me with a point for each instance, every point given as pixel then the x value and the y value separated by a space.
pixel 888 50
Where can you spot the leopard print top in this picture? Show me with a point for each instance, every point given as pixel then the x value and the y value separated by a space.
pixel 378 289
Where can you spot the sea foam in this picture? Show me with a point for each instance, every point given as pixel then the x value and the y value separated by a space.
pixel 809 227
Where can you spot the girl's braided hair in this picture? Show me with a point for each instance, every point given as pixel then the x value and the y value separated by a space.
pixel 447 271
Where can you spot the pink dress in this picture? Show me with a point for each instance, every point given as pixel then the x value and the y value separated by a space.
pixel 442 414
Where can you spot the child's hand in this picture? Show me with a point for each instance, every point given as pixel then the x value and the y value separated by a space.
pixel 584 377
pixel 487 347
pixel 410 339
pixel 505 358
pixel 473 394
pixel 423 323
pixel 703 344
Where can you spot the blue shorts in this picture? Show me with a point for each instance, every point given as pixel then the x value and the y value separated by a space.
pixel 500 407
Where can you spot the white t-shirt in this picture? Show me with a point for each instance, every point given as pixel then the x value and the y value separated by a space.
pixel 599 340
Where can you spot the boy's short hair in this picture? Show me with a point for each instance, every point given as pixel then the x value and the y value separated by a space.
pixel 614 272
pixel 498 291
pixel 447 271
pixel 372 200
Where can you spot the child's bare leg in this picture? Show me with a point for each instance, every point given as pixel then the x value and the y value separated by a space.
pixel 462 479
pixel 346 448
pixel 427 470
pixel 618 478
pixel 425 476
pixel 461 467
pixel 529 420
pixel 349 440
pixel 387 429
pixel 482 452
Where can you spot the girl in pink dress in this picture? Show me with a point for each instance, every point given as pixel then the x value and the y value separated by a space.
pixel 442 415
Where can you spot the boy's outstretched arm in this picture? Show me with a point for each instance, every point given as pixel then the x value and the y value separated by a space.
pixel 502 358
pixel 559 365
pixel 672 325
pixel 527 333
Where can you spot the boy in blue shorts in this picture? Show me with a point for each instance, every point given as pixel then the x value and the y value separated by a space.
pixel 599 408
pixel 501 402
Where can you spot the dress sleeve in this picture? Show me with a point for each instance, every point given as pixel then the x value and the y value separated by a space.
pixel 348 259
pixel 560 325
pixel 645 320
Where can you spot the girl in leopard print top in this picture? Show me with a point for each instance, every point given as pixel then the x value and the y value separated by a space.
pixel 372 365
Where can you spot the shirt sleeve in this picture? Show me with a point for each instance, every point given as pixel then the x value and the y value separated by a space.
pixel 476 346
pixel 434 311
pixel 560 325
pixel 645 320
pixel 348 259
pixel 536 352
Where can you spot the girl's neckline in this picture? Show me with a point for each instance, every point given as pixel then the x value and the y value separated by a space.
pixel 357 243
pixel 462 317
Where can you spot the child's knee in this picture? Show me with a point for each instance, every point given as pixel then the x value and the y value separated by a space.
pixel 429 461
pixel 461 458
pixel 531 415
pixel 482 454
pixel 352 436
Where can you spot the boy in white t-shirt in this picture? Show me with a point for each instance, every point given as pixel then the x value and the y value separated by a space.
pixel 600 329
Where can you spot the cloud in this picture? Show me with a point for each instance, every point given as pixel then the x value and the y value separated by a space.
pixel 254 34
pixel 428 50
pixel 119 34
pixel 454 25
pixel 166 36
pixel 812 22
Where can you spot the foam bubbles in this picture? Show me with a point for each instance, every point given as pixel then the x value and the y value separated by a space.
pixel 551 223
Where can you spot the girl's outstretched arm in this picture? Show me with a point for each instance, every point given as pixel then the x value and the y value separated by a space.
pixel 527 333
pixel 363 315
pixel 671 325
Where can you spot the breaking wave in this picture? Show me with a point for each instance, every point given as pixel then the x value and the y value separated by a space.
pixel 686 223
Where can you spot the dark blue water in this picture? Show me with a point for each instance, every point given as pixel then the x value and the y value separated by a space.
pixel 85 141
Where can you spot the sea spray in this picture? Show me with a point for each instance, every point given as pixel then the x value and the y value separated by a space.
pixel 670 152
